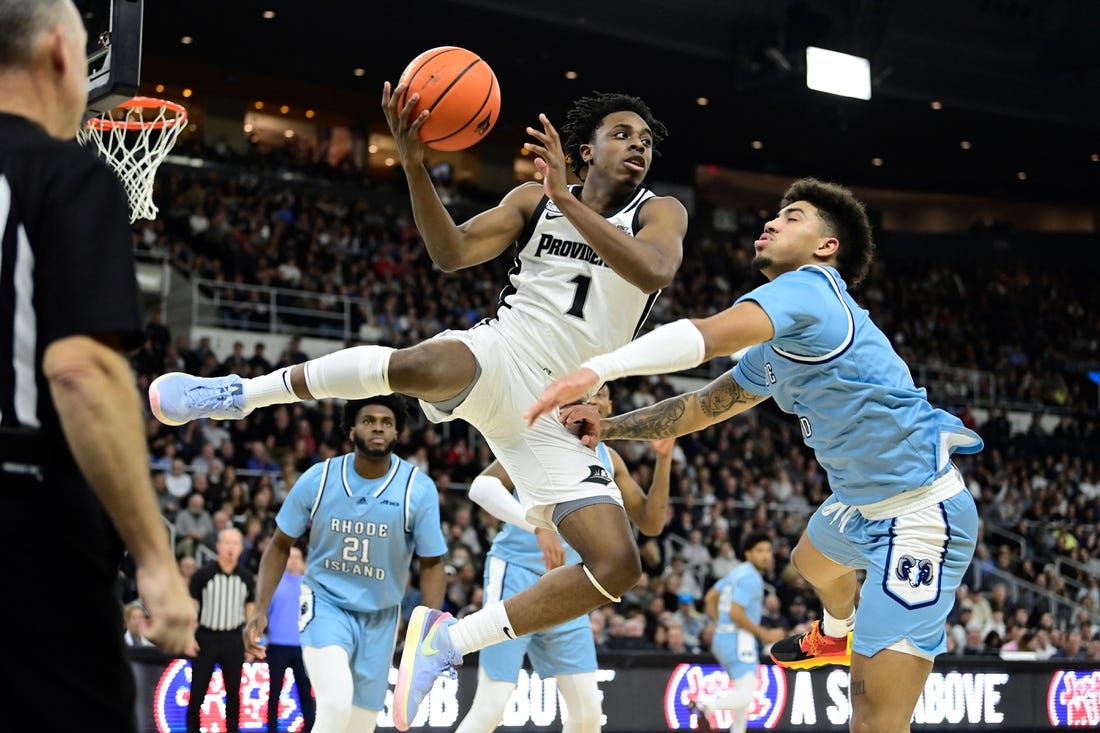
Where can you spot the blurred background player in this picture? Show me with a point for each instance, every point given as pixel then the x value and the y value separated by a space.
pixel 284 642
pixel 736 603
pixel 520 554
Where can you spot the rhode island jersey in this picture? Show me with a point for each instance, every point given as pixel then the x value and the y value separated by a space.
pixel 872 428
pixel 735 647
pixel 520 547
pixel 563 303
pixel 363 532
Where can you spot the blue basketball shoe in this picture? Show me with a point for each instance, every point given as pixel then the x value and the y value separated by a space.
pixel 427 654
pixel 177 398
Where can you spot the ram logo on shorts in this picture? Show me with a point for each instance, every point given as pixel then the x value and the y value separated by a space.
pixel 913 571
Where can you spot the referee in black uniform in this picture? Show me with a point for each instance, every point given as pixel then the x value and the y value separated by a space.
pixel 225 593
pixel 74 468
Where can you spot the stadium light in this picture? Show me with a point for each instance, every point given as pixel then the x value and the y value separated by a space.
pixel 838 73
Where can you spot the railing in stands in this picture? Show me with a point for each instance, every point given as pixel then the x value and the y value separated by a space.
pixel 1061 562
pixel 153 270
pixel 1019 540
pixel 953 386
pixel 675 545
pixel 171 531
pixel 1073 588
pixel 1061 608
pixel 260 308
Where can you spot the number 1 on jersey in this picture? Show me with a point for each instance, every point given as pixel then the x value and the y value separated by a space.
pixel 577 309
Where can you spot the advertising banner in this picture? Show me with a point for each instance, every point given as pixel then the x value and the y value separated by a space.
pixel 651 692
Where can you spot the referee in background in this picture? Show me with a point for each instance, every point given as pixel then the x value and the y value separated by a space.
pixel 225 593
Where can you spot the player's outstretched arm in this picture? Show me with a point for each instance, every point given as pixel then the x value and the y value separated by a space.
pixel 687 413
pixel 272 567
pixel 648 510
pixel 450 246
pixel 673 347
pixel 492 491
pixel 433 581
pixel 679 415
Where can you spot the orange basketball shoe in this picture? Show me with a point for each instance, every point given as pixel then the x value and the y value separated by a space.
pixel 812 649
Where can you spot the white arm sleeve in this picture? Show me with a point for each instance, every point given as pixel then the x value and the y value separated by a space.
pixel 669 348
pixel 489 493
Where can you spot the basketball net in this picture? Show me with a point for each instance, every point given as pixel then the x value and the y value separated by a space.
pixel 135 138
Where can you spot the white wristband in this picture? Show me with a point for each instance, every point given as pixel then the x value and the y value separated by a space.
pixel 672 347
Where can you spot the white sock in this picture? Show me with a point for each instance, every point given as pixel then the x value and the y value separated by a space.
pixel 740 697
pixel 481 629
pixel 740 720
pixel 490 700
pixel 268 389
pixel 838 627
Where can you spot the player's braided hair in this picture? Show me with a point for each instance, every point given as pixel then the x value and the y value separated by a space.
pixel 588 112
pixel 846 219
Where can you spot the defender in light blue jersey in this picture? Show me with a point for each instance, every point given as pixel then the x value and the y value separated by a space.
pixel 736 603
pixel 366 514
pixel 522 553
pixel 899 508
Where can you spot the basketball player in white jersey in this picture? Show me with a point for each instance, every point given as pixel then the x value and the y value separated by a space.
pixel 590 261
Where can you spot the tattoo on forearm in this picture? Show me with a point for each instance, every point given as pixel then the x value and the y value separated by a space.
pixel 722 395
pixel 859 687
pixel 657 421
pixel 662 420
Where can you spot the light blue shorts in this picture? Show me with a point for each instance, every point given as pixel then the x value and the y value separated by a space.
pixel 367 637
pixel 914 564
pixel 738 653
pixel 567 648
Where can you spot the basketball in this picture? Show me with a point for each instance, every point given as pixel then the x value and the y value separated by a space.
pixel 459 89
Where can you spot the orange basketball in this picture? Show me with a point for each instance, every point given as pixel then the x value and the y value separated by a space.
pixel 459 89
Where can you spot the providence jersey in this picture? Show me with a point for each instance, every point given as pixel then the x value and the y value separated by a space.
pixel 517 545
pixel 871 428
pixel 563 302
pixel 363 532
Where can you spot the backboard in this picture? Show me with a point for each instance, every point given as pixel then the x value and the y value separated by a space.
pixel 114 51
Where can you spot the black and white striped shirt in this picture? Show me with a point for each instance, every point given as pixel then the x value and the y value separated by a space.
pixel 222 596
pixel 66 269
